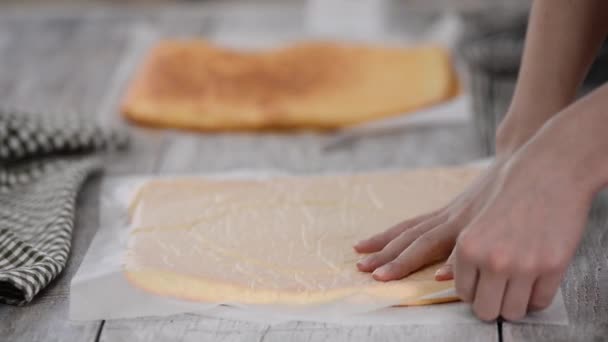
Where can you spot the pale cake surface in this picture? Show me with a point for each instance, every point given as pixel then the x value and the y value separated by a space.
pixel 279 241
pixel 193 84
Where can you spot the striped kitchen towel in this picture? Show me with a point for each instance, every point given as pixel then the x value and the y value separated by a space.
pixel 44 159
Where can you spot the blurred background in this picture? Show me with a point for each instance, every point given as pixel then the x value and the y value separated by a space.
pixel 485 36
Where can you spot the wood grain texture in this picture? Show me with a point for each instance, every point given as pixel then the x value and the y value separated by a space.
pixel 585 289
pixel 189 328
pixel 305 152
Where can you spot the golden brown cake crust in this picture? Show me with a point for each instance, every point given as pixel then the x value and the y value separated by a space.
pixel 192 84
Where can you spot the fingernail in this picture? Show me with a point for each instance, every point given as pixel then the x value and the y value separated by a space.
pixel 360 243
pixel 363 262
pixel 444 273
pixel 382 272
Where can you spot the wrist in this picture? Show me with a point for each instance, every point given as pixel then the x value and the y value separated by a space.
pixel 587 146
pixel 547 166
pixel 522 121
pixel 507 141
pixel 571 148
pixel 511 135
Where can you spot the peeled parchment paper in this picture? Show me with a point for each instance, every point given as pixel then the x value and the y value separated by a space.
pixel 99 290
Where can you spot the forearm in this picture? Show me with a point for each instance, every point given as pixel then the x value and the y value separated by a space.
pixel 562 40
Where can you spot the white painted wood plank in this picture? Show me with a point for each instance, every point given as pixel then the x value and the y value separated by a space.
pixel 189 328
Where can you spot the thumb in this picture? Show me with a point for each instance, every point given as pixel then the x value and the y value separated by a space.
pixel 446 272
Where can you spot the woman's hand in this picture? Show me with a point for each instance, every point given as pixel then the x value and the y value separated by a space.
pixel 511 258
pixel 429 238
pixel 510 235
pixel 432 236
pixel 515 230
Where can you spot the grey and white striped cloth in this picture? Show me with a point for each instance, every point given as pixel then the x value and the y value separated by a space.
pixel 44 160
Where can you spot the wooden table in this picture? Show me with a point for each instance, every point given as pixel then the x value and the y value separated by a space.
pixel 80 59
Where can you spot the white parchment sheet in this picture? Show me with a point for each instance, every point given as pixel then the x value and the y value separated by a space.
pixel 100 291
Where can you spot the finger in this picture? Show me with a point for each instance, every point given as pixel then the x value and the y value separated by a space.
pixel 397 245
pixel 430 247
pixel 446 271
pixel 543 291
pixel 488 295
pixel 379 241
pixel 466 275
pixel 517 296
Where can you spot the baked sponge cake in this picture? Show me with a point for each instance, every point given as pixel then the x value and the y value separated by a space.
pixel 282 241
pixel 194 84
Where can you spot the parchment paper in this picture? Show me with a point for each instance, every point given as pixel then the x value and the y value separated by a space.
pixel 100 291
